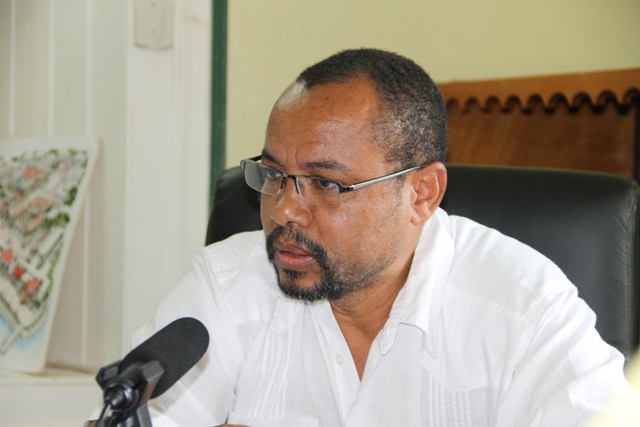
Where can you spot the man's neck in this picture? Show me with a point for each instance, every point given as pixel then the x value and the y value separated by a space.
pixel 362 314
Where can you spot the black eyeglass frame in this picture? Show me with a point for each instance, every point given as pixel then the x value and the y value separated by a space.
pixel 341 187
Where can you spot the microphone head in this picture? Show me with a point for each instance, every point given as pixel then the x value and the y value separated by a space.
pixel 177 347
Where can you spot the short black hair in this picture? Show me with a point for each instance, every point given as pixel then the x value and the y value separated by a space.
pixel 413 123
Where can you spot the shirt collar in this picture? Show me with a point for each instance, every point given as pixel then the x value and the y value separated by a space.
pixel 419 302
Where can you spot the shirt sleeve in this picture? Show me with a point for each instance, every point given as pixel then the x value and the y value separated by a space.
pixel 567 372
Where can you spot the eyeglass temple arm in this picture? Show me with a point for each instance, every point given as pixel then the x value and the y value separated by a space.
pixel 359 185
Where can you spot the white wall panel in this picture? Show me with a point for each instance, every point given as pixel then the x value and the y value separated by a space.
pixel 32 68
pixel 148 265
pixel 166 162
pixel 68 116
pixel 5 64
pixel 108 35
pixel 194 44
pixel 69 67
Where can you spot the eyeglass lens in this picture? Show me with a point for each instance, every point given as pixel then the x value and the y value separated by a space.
pixel 262 178
pixel 316 191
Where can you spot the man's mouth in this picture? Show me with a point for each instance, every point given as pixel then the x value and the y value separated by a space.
pixel 292 257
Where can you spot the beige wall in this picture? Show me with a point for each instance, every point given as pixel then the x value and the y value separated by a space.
pixel 270 42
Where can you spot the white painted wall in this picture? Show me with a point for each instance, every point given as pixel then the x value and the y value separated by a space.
pixel 70 67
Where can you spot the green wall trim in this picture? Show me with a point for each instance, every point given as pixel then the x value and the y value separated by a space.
pixel 218 92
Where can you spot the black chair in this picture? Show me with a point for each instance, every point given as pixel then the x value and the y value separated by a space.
pixel 586 222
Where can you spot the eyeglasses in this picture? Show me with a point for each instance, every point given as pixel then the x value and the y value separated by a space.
pixel 315 190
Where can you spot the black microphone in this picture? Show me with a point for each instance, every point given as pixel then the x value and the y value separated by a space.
pixel 154 366
pixel 177 347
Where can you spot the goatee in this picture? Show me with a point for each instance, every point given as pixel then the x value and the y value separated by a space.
pixel 328 287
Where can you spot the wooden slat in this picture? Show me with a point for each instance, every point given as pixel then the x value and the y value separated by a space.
pixel 596 85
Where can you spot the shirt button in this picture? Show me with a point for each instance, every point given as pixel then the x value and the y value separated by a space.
pixel 339 359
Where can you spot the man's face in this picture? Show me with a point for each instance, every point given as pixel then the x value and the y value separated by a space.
pixel 320 252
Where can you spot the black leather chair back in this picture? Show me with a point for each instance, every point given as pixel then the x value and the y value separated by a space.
pixel 587 223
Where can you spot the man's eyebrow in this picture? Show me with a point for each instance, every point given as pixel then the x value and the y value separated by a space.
pixel 266 156
pixel 329 165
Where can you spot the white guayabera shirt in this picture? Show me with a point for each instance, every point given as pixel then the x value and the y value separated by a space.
pixel 486 332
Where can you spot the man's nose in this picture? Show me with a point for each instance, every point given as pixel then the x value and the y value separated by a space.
pixel 288 206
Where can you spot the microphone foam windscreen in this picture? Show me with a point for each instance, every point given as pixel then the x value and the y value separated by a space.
pixel 177 347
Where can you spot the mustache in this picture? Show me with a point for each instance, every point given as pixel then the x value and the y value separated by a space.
pixel 300 239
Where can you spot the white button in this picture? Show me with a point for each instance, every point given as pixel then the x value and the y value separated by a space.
pixel 339 359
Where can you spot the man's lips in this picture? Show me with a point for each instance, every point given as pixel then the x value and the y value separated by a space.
pixel 292 257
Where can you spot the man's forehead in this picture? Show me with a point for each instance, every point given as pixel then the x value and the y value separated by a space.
pixel 331 109
pixel 320 132
pixel 295 93
pixel 327 139
pixel 325 127
pixel 348 96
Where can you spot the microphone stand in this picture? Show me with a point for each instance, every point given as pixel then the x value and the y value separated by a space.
pixel 126 393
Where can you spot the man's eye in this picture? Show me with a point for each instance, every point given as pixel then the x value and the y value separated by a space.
pixel 272 174
pixel 325 184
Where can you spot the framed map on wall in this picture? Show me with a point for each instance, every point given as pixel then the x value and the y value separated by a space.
pixel 42 186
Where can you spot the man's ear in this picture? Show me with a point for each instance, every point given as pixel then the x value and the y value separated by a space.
pixel 429 184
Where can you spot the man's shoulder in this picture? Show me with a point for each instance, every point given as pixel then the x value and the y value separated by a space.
pixel 236 251
pixel 240 269
pixel 496 267
pixel 239 254
pixel 230 283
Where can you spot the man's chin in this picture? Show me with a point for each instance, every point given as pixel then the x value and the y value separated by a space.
pixel 293 284
pixel 304 287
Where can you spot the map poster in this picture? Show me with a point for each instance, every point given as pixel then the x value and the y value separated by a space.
pixel 42 185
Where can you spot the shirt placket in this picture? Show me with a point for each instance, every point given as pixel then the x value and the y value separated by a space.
pixel 338 360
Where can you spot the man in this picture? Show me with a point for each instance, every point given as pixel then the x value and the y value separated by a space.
pixel 363 303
